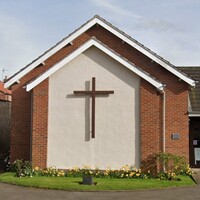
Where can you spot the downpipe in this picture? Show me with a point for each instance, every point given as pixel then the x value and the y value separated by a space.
pixel 164 126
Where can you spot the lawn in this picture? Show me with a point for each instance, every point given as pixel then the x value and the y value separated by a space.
pixel 69 183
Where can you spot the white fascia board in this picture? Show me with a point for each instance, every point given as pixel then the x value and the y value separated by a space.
pixel 82 30
pixel 130 66
pixel 80 50
pixel 147 53
pixel 58 65
pixel 194 115
pixel 50 53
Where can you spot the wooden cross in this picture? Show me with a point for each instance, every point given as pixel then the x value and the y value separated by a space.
pixel 93 93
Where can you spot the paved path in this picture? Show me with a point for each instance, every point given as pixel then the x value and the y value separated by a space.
pixel 12 192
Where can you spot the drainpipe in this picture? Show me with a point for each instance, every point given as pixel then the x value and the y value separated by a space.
pixel 164 125
pixel 31 129
pixel 163 121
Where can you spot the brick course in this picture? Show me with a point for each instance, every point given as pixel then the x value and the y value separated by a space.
pixel 150 107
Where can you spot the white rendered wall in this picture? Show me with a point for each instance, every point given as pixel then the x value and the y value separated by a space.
pixel 117 140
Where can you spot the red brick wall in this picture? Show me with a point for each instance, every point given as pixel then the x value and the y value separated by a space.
pixel 177 120
pixel 151 104
pixel 20 124
pixel 21 117
pixel 150 124
pixel 40 124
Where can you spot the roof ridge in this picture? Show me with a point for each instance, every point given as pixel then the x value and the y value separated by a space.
pixel 114 30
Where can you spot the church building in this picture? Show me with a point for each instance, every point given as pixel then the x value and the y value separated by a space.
pixel 99 98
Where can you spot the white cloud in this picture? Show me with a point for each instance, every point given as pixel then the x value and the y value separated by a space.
pixel 133 20
pixel 112 7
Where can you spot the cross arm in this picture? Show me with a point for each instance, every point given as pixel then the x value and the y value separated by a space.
pixel 104 92
pixel 98 92
pixel 81 92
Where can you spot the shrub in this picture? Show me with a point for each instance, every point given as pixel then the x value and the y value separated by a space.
pixel 172 165
pixel 167 176
pixel 22 168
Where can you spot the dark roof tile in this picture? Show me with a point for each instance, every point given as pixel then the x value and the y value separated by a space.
pixel 194 73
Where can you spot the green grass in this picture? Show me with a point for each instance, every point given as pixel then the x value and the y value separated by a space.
pixel 68 183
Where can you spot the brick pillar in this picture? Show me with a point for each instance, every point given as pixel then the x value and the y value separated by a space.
pixel 40 124
pixel 151 124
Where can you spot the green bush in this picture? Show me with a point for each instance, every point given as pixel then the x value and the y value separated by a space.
pixel 22 168
pixel 172 165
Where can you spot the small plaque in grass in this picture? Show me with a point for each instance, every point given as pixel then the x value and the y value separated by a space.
pixel 88 180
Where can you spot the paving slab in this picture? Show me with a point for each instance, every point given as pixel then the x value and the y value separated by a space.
pixel 196 178
pixel 196 175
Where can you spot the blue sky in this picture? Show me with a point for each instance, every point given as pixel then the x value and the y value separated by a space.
pixel 28 28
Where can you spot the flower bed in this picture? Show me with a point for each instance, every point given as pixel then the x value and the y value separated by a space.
pixel 24 168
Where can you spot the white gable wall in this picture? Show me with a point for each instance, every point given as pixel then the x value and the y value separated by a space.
pixel 117 116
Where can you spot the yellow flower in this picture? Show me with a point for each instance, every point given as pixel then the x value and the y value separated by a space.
pixel 132 173
pixel 138 174
pixel 36 168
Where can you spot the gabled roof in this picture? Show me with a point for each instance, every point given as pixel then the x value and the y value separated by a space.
pixel 105 49
pixel 194 93
pixel 126 38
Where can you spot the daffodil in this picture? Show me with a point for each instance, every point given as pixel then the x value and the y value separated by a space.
pixel 138 174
